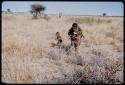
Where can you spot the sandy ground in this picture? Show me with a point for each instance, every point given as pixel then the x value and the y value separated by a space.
pixel 27 55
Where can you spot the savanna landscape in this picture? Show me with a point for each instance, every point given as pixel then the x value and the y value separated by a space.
pixel 29 57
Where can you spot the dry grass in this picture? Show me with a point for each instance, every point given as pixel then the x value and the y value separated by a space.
pixel 90 20
pixel 27 55
pixel 8 17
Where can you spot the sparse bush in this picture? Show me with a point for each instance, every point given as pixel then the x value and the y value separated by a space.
pixel 104 14
pixel 8 10
pixel 36 9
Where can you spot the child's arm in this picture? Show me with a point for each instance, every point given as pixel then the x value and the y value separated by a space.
pixel 80 31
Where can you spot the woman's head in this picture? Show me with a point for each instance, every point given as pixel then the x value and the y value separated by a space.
pixel 74 25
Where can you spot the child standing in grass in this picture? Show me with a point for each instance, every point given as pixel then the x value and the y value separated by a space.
pixel 58 38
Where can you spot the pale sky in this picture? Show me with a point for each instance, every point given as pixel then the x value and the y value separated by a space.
pixel 71 8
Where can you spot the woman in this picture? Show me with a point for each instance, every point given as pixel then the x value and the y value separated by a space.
pixel 75 33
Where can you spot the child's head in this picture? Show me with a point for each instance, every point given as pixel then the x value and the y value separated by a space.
pixel 57 34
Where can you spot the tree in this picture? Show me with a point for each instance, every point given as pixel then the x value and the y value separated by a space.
pixel 60 14
pixel 37 9
pixel 8 10
pixel 104 14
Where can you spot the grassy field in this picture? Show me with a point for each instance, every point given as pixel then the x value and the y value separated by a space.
pixel 27 55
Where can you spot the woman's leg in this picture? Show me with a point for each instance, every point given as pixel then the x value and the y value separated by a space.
pixel 78 40
pixel 76 48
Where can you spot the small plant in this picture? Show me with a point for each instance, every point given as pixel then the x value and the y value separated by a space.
pixel 104 14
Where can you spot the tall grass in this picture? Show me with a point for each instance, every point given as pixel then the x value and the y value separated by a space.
pixel 8 17
pixel 90 20
pixel 27 55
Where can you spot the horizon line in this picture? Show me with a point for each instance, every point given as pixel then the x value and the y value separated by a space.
pixel 68 14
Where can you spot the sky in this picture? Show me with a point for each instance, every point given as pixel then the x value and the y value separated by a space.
pixel 68 8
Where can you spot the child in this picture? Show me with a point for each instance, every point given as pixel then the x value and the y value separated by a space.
pixel 58 37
